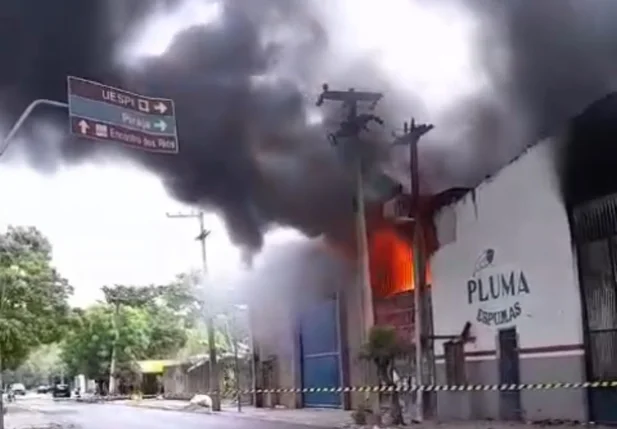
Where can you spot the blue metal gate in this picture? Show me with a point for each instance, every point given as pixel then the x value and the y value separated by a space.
pixel 319 342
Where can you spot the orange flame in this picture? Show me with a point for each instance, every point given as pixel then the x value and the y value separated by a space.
pixel 391 263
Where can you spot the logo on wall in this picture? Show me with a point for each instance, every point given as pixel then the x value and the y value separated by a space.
pixel 497 292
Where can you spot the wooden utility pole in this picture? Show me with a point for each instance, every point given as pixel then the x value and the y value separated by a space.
pixel 350 128
pixel 213 366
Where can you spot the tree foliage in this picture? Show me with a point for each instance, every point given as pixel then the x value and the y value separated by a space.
pixel 132 296
pixel 87 348
pixel 193 302
pixel 43 367
pixel 148 328
pixel 154 322
pixel 33 296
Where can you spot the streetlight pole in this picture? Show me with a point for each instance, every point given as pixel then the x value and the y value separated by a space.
pixel 351 128
pixel 411 136
pixel 213 367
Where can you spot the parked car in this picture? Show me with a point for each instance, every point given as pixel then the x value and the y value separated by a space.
pixel 18 389
pixel 61 391
pixel 43 389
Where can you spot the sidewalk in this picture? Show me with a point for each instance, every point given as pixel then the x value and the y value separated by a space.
pixel 323 418
pixel 330 419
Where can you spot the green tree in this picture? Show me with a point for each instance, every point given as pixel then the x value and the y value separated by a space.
pixel 134 323
pixel 167 333
pixel 183 298
pixel 132 296
pixel 191 302
pixel 196 344
pixel 33 296
pixel 171 325
pixel 43 366
pixel 167 309
pixel 88 346
pixel 119 297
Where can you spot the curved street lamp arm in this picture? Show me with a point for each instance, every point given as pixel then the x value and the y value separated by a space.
pixel 36 103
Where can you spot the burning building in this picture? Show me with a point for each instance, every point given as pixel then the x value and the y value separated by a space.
pixel 307 327
pixel 525 260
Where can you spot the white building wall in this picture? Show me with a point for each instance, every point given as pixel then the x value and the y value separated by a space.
pixel 519 214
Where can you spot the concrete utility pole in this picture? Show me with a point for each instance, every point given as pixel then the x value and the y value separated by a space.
pixel 114 351
pixel 411 137
pixel 351 128
pixel 213 367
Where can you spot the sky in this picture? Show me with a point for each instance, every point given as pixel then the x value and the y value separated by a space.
pixel 109 225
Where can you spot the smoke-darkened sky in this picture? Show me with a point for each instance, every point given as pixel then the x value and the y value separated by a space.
pixel 244 86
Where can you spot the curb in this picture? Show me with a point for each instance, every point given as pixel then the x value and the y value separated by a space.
pixel 227 414
pixel 185 409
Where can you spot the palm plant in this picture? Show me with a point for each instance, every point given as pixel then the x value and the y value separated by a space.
pixel 383 348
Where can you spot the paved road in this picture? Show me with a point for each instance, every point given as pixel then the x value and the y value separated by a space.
pixel 104 416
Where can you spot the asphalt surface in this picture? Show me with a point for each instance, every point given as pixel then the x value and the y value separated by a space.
pixel 74 415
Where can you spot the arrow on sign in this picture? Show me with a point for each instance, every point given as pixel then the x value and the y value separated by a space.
pixel 160 107
pixel 161 125
pixel 83 126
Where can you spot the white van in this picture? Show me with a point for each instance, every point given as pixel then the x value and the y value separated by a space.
pixel 18 389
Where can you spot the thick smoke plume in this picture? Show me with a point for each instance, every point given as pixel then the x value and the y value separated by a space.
pixel 243 88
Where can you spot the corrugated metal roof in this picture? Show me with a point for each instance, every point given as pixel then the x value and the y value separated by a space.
pixel 243 352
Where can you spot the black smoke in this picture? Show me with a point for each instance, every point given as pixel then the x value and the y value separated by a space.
pixel 548 61
pixel 589 163
pixel 246 148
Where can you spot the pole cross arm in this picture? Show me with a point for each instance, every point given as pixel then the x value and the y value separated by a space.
pixel 412 133
pixel 349 97
pixel 203 235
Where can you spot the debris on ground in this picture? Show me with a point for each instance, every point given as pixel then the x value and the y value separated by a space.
pixel 203 401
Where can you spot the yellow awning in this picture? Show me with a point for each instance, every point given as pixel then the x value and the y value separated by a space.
pixel 153 366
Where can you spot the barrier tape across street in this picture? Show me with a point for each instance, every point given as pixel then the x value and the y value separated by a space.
pixel 432 388
pixel 385 389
